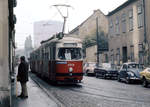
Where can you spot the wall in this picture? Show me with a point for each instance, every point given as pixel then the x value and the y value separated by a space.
pixel 147 16
pixel 4 71
pixel 88 27
pixel 91 54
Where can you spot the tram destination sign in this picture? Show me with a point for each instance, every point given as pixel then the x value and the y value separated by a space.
pixel 70 44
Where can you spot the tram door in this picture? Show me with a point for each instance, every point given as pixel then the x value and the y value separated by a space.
pixel 45 62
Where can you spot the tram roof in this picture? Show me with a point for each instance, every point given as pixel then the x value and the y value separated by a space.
pixel 57 40
pixel 65 38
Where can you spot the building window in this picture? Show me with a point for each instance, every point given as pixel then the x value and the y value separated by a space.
pixel 132 53
pixel 141 58
pixel 106 58
pixel 140 47
pixel 112 57
pixel 117 25
pixel 140 16
pixel 111 29
pixel 131 20
pixel 123 20
pixel 118 56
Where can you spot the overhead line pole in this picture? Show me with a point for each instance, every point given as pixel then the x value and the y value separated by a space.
pixel 97 35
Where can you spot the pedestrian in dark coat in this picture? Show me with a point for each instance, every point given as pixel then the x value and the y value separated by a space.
pixel 22 77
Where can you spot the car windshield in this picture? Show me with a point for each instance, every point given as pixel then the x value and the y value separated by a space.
pixel 106 65
pixel 69 53
pixel 135 66
pixel 148 69
pixel 92 64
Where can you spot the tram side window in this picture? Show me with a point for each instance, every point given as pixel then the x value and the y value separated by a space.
pixel 54 52
pixel 51 54
pixel 46 56
pixel 42 53
pixel 46 53
pixel 69 53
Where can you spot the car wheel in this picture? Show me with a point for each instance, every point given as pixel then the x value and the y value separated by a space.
pixel 104 76
pixel 118 78
pixel 96 75
pixel 86 73
pixel 145 84
pixel 128 81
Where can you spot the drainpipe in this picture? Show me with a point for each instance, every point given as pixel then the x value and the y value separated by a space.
pixel 145 33
pixel 97 40
pixel 145 41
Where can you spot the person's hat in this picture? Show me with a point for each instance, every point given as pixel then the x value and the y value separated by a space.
pixel 22 58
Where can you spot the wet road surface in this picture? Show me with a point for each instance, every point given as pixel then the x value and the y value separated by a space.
pixel 95 92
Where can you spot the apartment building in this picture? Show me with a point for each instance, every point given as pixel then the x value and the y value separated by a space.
pixel 126 33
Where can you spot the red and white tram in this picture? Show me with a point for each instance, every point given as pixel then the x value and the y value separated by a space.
pixel 59 59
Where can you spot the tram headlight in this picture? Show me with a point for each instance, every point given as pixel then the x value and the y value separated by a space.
pixel 70 69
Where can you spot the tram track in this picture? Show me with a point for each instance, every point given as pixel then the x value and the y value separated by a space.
pixel 110 97
pixel 83 89
pixel 105 97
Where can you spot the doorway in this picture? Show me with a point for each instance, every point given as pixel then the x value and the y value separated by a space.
pixel 124 54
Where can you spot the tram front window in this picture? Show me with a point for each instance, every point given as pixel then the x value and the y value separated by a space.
pixel 69 53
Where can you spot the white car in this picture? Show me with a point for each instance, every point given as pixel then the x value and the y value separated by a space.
pixel 88 68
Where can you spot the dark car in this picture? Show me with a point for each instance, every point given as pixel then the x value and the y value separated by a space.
pixel 130 72
pixel 106 70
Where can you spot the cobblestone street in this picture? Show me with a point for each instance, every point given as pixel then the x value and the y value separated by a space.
pixel 93 92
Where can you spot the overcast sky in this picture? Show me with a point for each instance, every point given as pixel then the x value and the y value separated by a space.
pixel 29 11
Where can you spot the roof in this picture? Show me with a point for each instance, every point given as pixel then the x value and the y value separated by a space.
pixel 76 28
pixel 128 2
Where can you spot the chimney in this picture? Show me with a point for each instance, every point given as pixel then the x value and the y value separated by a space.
pixel 94 11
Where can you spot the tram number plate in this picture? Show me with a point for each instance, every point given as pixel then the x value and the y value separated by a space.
pixel 70 64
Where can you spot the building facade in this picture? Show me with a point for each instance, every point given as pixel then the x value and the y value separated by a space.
pixel 126 33
pixel 44 30
pixel 94 24
pixel 147 30
pixel 7 46
pixel 4 69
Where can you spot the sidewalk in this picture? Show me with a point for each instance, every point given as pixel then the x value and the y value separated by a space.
pixel 36 96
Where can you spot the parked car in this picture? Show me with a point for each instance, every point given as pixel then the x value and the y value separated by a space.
pixel 106 70
pixel 130 72
pixel 88 68
pixel 145 77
